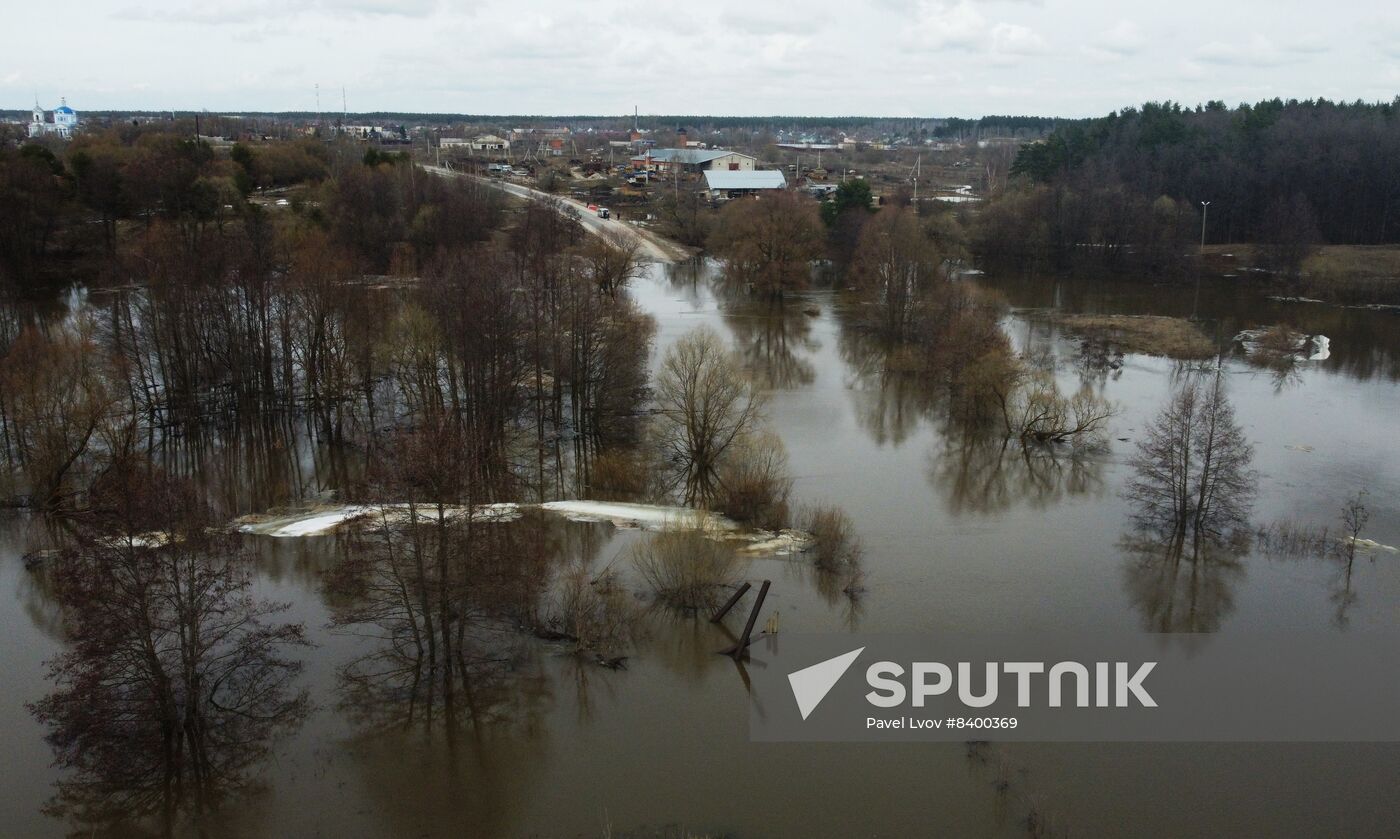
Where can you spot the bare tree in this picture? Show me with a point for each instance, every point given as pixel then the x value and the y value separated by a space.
pixel 56 395
pixel 768 244
pixel 1039 413
pixel 895 266
pixel 1193 469
pixel 706 404
pixel 611 259
pixel 177 679
pixel 1354 519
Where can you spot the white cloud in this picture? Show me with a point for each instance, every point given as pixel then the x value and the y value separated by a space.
pixel 1014 39
pixel 1258 51
pixel 1123 39
pixel 943 25
pixel 932 57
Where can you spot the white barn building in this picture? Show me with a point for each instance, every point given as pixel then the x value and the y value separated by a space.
pixel 723 183
pixel 694 160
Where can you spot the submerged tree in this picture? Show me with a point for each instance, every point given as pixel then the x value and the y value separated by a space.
pixel 1193 477
pixel 1289 235
pixel 54 397
pixel 176 679
pixel 895 267
pixel 706 405
pixel 1038 412
pixel 768 244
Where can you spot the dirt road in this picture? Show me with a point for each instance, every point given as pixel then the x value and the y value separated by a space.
pixel 652 246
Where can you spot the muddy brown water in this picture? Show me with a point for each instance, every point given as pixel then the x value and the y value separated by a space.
pixel 957 537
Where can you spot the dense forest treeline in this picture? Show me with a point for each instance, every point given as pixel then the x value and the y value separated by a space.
pixel 941 126
pixel 1127 190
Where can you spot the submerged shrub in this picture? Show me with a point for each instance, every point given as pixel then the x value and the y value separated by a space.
pixel 835 544
pixel 685 568
pixel 836 551
pixel 595 612
pixel 754 482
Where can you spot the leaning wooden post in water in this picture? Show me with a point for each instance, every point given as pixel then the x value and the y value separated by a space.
pixel 753 618
pixel 724 610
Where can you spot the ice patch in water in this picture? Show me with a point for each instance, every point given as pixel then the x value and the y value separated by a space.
pixel 782 542
pixel 1371 545
pixel 644 516
pixel 1321 348
pixel 324 520
pixel 312 523
pixel 1307 348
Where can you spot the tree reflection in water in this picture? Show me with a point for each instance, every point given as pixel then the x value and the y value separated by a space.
pixel 176 681
pixel 440 599
pixel 889 404
pixel 1178 589
pixel 987 474
pixel 772 337
pixel 982 468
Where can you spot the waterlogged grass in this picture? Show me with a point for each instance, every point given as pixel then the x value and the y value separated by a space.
pixel 1353 274
pixel 1345 274
pixel 1146 334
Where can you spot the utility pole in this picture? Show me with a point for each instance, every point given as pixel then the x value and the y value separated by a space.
pixel 1201 258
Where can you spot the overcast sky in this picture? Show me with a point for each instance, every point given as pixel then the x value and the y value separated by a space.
pixel 744 57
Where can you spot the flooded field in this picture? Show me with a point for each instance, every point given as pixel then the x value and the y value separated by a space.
pixel 959 535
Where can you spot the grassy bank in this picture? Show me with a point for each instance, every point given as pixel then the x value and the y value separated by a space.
pixel 1146 334
pixel 1346 274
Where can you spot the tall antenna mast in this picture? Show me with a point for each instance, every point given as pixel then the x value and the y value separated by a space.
pixel 318 105
pixel 344 111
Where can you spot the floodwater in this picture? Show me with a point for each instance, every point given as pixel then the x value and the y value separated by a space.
pixel 958 536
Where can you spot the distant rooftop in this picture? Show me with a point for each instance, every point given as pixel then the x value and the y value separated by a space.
pixel 756 179
pixel 690 156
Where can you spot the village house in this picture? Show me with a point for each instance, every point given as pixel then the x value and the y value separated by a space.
pixel 488 142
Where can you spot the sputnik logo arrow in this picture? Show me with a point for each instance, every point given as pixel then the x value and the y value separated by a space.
pixel 810 685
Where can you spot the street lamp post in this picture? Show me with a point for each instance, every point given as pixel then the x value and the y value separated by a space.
pixel 1195 303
